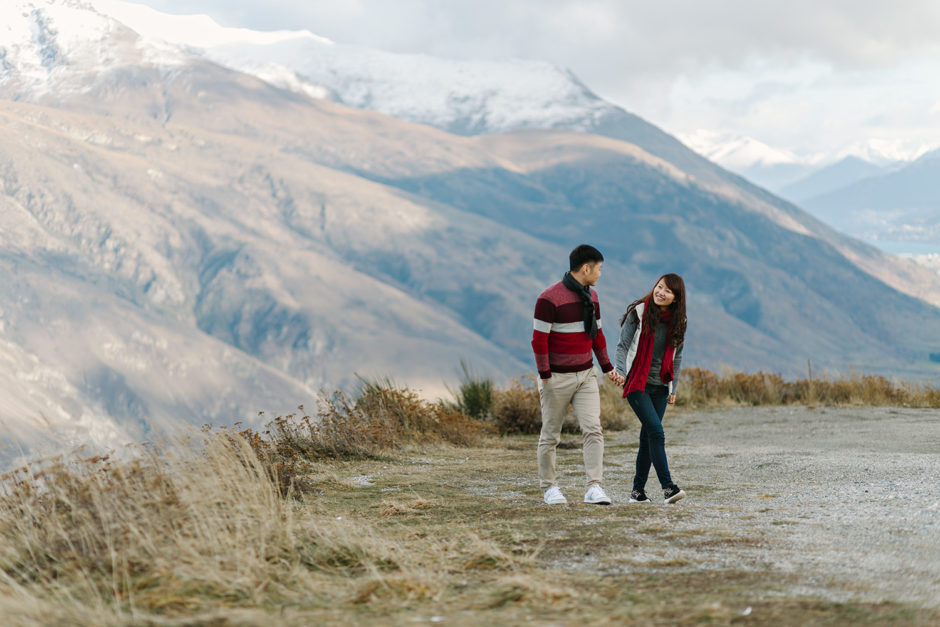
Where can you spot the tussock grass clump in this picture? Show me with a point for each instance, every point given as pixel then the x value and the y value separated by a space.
pixel 475 394
pixel 705 388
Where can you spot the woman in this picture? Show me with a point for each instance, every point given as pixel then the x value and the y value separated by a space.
pixel 648 355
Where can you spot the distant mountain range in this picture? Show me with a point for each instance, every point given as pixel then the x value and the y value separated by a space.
pixel 785 173
pixel 891 204
pixel 754 160
pixel 183 241
pixel 896 207
pixel 843 173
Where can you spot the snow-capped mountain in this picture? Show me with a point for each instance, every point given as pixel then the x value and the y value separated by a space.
pixel 58 47
pixel 756 161
pixel 736 151
pixel 787 173
pixel 462 97
pixel 181 241
pixel 64 44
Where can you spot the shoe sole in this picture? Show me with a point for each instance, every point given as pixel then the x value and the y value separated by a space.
pixel 675 497
pixel 607 502
pixel 565 502
pixel 636 501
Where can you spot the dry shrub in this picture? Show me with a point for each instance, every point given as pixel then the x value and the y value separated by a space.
pixel 931 397
pixel 393 417
pixel 760 388
pixel 616 413
pixel 112 521
pixel 516 409
pixel 699 387
pixel 705 388
pixel 380 419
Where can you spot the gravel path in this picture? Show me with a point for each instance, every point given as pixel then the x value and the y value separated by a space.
pixel 845 499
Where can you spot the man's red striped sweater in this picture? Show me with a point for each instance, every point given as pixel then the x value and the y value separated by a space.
pixel 559 340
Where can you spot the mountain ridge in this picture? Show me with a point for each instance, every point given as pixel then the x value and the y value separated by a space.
pixel 184 242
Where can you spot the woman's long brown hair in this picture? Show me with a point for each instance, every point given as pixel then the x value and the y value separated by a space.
pixel 676 328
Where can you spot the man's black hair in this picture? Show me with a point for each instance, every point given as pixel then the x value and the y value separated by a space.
pixel 584 254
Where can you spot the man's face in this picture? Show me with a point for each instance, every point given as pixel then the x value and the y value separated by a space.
pixel 591 272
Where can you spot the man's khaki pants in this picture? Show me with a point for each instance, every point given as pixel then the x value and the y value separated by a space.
pixel 580 390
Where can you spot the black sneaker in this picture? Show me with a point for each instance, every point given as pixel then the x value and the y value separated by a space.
pixel 639 496
pixel 673 494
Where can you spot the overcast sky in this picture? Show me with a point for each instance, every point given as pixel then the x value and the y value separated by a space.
pixel 805 76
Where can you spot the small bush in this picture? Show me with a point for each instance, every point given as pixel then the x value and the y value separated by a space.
pixel 516 409
pixel 616 413
pixel 381 418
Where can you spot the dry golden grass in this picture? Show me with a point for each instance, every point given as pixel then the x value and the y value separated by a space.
pixel 705 388
pixel 199 529
pixel 381 418
pixel 161 533
pixel 515 408
pixel 232 527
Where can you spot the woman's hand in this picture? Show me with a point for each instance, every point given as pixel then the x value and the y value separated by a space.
pixel 672 399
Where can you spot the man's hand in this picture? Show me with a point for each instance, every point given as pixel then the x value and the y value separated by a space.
pixel 615 378
pixel 672 399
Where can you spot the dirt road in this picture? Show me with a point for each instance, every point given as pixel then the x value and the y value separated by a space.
pixel 844 500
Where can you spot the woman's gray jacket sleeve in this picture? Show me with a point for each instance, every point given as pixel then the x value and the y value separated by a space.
pixel 627 331
pixel 676 364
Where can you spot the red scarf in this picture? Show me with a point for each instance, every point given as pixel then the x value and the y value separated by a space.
pixel 639 373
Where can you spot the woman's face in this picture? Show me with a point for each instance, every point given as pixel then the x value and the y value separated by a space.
pixel 662 295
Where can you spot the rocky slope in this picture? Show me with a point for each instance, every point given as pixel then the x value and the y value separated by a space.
pixel 182 242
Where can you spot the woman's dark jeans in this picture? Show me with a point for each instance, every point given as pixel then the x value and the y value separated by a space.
pixel 650 406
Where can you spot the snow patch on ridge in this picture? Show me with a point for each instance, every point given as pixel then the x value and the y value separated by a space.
pixel 65 46
pixel 466 97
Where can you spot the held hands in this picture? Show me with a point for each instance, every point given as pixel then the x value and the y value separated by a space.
pixel 616 379
pixel 672 399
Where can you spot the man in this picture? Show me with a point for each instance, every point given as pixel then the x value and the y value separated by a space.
pixel 567 330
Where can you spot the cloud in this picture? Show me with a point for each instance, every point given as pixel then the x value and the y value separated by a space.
pixel 614 46
pixel 655 37
pixel 761 67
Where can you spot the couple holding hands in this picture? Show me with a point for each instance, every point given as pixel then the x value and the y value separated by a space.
pixel 566 338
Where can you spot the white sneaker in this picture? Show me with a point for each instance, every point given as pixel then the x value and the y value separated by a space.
pixel 596 495
pixel 553 496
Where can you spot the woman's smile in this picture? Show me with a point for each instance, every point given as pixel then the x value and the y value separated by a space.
pixel 662 295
